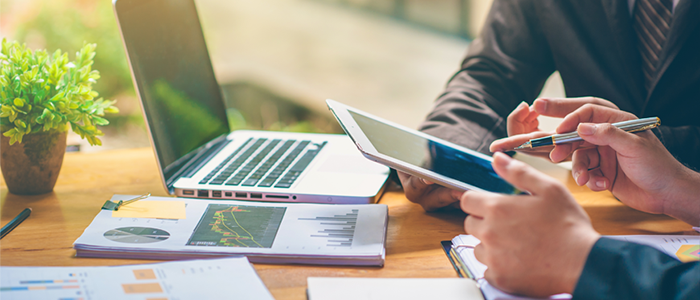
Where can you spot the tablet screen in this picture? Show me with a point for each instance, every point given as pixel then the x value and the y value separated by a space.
pixel 432 155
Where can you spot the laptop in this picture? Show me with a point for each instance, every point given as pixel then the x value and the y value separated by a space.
pixel 198 155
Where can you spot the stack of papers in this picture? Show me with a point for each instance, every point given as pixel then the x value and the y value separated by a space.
pixel 194 279
pixel 264 232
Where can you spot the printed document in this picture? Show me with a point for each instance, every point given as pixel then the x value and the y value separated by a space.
pixel 265 232
pixel 227 278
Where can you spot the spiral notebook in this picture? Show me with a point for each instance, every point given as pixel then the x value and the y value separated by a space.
pixel 460 251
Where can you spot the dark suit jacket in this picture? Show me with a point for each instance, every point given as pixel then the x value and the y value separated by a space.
pixel 621 270
pixel 592 43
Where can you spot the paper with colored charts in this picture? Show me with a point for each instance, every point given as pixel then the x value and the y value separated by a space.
pixel 226 278
pixel 265 232
pixel 682 247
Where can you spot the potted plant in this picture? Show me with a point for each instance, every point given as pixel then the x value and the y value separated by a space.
pixel 41 95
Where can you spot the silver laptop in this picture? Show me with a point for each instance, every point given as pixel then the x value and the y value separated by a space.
pixel 186 117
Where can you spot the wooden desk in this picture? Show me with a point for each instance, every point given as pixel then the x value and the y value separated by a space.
pixel 413 241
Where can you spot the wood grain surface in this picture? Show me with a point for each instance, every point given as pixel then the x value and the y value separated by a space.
pixel 87 180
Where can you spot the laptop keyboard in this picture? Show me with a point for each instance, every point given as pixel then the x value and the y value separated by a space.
pixel 246 171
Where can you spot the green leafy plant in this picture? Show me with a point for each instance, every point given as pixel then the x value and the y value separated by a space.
pixel 42 92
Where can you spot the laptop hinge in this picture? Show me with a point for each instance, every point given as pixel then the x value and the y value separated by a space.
pixel 204 155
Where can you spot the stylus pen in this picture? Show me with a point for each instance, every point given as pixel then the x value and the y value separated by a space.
pixel 16 221
pixel 570 137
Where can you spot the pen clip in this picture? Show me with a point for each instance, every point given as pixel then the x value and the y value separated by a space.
pixel 650 126
pixel 114 206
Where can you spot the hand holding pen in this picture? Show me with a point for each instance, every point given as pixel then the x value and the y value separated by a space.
pixel 588 113
pixel 523 123
pixel 570 137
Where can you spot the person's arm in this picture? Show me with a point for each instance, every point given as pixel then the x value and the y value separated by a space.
pixel 543 244
pixel 507 64
pixel 533 245
pixel 635 167
pixel 621 270
pixel 683 142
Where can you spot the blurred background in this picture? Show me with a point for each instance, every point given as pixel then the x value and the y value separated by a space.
pixel 278 60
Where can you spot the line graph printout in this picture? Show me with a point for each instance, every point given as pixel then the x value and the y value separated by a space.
pixel 229 225
pixel 338 230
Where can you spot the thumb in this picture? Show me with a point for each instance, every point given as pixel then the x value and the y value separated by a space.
pixel 622 142
pixel 521 175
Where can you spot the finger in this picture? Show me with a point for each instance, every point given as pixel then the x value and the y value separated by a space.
pixel 520 113
pixel 480 254
pixel 472 224
pixel 607 135
pixel 522 176
pixel 517 119
pixel 592 114
pixel 429 196
pixel 562 152
pixel 532 117
pixel 473 203
pixel 583 161
pixel 506 144
pixel 411 180
pixel 607 166
pixel 438 197
pixel 560 107
pixel 403 177
pixel 411 186
pixel 597 182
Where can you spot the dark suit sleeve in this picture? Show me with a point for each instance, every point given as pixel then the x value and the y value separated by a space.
pixel 622 270
pixel 506 65
pixel 683 142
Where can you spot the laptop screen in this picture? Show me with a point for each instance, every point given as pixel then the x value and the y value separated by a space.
pixel 175 80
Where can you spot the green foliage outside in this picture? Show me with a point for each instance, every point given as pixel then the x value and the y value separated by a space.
pixel 67 24
pixel 42 92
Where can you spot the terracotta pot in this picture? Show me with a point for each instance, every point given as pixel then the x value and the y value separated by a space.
pixel 32 166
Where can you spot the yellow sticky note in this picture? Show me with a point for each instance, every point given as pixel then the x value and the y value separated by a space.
pixel 152 209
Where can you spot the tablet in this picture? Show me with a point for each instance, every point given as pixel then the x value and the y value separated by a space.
pixel 419 154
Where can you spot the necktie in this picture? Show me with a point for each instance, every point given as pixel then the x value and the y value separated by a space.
pixel 652 21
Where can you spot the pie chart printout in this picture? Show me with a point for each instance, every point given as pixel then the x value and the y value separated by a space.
pixel 137 235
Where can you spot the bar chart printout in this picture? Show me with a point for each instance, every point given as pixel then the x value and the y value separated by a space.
pixel 67 287
pixel 338 230
pixel 195 279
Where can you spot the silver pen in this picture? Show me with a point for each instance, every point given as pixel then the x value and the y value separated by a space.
pixel 570 137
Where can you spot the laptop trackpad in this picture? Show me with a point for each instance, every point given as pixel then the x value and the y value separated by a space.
pixel 350 164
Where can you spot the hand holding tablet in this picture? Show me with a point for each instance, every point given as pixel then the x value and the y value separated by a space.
pixel 419 154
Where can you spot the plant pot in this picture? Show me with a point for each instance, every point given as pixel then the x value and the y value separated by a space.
pixel 32 166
